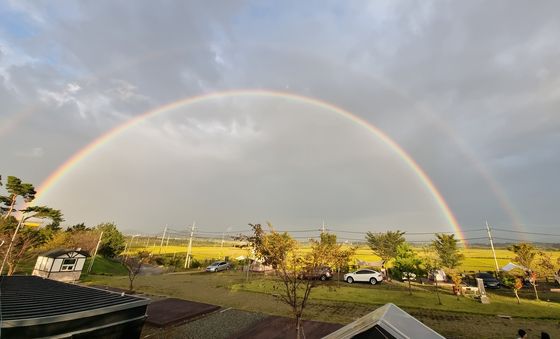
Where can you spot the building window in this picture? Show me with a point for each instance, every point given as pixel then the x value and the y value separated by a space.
pixel 68 265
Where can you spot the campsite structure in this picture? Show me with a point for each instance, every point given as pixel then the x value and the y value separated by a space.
pixel 388 321
pixel 61 264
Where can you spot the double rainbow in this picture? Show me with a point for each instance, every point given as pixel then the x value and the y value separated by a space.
pixel 106 138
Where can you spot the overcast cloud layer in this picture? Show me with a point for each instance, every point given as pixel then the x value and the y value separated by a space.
pixel 471 90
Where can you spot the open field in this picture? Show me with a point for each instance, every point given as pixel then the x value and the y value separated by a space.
pixel 476 259
pixel 463 318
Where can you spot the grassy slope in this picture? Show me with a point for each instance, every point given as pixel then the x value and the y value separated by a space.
pixel 105 266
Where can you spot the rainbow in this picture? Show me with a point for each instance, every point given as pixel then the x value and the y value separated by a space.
pixel 104 139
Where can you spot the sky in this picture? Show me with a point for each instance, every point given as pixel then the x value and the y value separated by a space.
pixel 469 90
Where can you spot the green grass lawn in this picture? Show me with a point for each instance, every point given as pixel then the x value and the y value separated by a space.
pixel 104 266
pixel 422 297
pixel 345 303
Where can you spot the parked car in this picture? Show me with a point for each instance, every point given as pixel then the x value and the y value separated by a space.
pixel 489 280
pixel 407 275
pixel 363 275
pixel 218 266
pixel 321 273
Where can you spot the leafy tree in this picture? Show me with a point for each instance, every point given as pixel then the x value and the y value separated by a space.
pixel 134 265
pixel 385 244
pixel 524 254
pixel 282 252
pixel 514 282
pixel 341 260
pixel 85 240
pixel 21 238
pixel 457 279
pixel 445 246
pixel 517 285
pixel 432 263
pixel 408 263
pixel 16 189
pixel 533 280
pixel 251 242
pixel 77 228
pixel 113 242
pixel 544 265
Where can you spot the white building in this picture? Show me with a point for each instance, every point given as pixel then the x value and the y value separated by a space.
pixel 61 265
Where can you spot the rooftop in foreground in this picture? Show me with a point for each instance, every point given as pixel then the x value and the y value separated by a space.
pixel 34 306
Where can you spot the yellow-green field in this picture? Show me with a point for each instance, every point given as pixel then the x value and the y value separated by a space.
pixel 476 259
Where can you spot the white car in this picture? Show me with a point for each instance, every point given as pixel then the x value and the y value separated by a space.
pixel 363 275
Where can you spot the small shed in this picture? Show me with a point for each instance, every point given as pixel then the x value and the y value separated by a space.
pixel 61 264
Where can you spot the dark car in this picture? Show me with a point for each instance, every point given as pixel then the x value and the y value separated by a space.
pixel 489 280
pixel 321 273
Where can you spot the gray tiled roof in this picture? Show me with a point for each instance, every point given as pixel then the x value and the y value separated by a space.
pixel 30 299
pixel 59 251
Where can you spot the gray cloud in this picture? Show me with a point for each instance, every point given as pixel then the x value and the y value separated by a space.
pixel 460 86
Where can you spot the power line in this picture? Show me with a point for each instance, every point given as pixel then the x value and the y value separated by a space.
pixel 522 232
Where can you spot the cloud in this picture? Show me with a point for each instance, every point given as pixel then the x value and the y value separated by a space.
pixel 35 152
pixel 459 86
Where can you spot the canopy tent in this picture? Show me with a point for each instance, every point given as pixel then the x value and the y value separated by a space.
pixel 370 263
pixel 388 321
pixel 512 266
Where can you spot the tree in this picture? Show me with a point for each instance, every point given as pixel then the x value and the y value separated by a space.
pixel 16 188
pixel 511 280
pixel 432 263
pixel 525 255
pixel 342 259
pixel 251 242
pixel 533 280
pixel 85 240
pixel 21 238
pixel 457 279
pixel 282 252
pixel 134 265
pixel 517 285
pixel 385 244
pixel 113 242
pixel 408 263
pixel 544 265
pixel 445 246
pixel 77 228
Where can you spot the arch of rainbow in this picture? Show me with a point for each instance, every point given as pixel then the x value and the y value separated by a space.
pixel 73 161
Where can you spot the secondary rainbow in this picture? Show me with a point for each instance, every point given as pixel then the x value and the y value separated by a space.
pixel 73 161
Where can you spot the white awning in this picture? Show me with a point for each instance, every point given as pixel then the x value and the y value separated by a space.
pixel 512 266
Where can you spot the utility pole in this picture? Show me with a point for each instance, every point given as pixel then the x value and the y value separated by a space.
pixel 167 243
pixel 222 240
pixel 323 229
pixel 162 239
pixel 188 258
pixel 492 245
pixel 129 246
pixel 95 253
